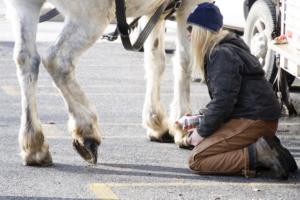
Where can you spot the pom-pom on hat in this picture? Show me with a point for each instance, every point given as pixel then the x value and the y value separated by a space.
pixel 207 15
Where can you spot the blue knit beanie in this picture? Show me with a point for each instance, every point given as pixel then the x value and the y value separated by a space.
pixel 207 15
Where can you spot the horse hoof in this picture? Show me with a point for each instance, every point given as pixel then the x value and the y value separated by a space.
pixel 164 138
pixel 39 160
pixel 184 145
pixel 88 150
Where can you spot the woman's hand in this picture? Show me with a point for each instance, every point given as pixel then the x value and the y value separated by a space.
pixel 188 122
pixel 193 139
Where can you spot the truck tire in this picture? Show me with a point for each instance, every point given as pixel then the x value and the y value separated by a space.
pixel 260 24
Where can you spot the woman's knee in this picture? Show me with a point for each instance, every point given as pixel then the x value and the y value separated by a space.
pixel 194 162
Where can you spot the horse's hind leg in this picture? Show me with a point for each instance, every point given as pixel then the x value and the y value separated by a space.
pixel 24 17
pixel 79 33
pixel 154 116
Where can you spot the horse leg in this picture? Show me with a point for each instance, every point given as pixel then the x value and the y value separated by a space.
pixel 24 17
pixel 182 73
pixel 60 62
pixel 154 116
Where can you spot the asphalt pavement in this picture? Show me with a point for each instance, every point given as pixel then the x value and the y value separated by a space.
pixel 129 166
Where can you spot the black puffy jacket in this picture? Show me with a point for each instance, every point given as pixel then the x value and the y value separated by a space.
pixel 237 86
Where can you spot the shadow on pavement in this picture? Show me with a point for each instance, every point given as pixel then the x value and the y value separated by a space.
pixel 135 170
pixel 36 198
pixel 148 171
pixel 9 45
pixel 148 168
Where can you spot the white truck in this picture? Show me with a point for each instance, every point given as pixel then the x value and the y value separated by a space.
pixel 261 21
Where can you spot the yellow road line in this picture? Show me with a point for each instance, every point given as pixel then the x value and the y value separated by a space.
pixel 11 90
pixel 199 184
pixel 102 191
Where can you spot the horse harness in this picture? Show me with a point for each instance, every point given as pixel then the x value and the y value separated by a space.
pixel 168 8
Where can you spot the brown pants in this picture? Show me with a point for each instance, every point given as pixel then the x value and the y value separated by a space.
pixel 226 150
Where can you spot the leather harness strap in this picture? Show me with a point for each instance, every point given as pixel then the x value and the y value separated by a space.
pixel 124 29
pixel 49 15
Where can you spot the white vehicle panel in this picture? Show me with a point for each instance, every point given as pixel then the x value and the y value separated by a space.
pixel 233 13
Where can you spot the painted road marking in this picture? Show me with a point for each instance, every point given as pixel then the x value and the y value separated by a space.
pixel 11 90
pixel 197 184
pixel 102 191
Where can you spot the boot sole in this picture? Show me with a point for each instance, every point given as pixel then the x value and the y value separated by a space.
pixel 281 165
pixel 288 156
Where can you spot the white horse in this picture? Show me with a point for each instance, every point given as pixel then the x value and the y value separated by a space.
pixel 85 21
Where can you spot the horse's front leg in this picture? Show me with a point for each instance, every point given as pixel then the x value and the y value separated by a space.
pixel 182 74
pixel 79 33
pixel 154 116
pixel 24 17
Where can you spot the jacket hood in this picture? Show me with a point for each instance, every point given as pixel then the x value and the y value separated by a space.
pixel 241 49
pixel 236 41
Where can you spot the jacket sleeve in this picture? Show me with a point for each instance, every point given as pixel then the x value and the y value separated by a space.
pixel 225 81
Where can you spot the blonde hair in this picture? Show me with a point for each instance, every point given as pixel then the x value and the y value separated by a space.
pixel 203 42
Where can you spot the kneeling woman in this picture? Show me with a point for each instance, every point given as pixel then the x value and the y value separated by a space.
pixel 237 132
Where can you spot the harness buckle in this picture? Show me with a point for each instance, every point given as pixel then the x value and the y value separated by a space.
pixel 110 37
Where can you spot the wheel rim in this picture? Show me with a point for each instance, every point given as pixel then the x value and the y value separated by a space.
pixel 260 36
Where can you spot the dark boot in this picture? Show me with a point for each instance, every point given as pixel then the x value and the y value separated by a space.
pixel 289 159
pixel 269 156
